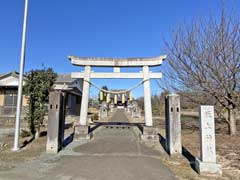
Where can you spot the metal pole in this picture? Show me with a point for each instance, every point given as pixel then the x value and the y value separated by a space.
pixel 20 81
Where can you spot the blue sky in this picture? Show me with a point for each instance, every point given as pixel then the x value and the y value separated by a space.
pixel 101 28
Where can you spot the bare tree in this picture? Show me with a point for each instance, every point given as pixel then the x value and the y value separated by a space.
pixel 204 57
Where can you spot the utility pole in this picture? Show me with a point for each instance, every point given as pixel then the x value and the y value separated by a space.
pixel 20 81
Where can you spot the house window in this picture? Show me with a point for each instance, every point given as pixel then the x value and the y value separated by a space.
pixel 10 98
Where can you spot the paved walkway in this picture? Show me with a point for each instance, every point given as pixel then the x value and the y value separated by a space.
pixel 114 154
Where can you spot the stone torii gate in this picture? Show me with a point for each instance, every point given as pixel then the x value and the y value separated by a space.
pixel 116 63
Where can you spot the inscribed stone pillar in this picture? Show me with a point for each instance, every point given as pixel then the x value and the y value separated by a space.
pixel 207 163
pixel 55 129
pixel 147 97
pixel 173 124
pixel 103 112
pixel 85 96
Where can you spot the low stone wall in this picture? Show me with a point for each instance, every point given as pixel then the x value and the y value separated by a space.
pixel 11 110
pixel 9 121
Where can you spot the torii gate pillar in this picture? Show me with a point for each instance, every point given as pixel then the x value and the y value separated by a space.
pixel 147 97
pixel 82 129
pixel 84 103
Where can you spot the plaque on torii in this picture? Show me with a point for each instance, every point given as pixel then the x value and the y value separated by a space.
pixel 116 63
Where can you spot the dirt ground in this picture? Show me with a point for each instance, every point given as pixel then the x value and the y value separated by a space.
pixel 227 147
pixel 10 159
pixel 29 149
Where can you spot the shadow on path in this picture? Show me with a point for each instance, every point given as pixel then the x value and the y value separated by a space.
pixel 185 152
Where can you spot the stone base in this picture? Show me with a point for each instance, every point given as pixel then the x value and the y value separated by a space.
pixel 173 149
pixel 208 168
pixel 150 133
pixel 53 146
pixel 82 133
pixel 52 150
pixel 136 114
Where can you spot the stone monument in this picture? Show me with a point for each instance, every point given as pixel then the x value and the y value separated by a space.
pixel 55 129
pixel 111 107
pixel 207 162
pixel 173 124
pixel 103 112
pixel 136 112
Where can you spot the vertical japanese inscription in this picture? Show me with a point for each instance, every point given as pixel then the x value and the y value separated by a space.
pixel 208 149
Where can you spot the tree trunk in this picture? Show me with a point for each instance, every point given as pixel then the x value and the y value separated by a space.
pixel 37 134
pixel 232 125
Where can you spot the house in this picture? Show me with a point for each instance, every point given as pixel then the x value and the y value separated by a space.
pixel 9 90
pixel 73 89
pixel 8 93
